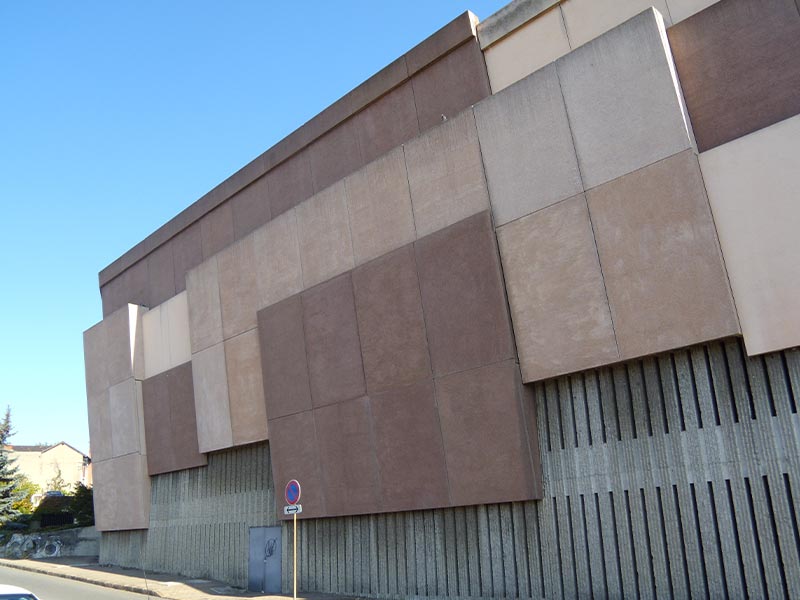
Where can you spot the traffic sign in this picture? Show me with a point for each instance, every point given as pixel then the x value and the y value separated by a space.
pixel 292 492
pixel 293 509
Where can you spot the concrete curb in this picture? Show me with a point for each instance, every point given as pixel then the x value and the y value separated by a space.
pixel 138 589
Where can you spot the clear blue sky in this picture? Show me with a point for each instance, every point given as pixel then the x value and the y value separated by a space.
pixel 114 116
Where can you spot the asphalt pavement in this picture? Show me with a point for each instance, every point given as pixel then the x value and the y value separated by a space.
pixel 49 587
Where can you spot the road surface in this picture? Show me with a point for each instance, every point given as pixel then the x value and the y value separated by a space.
pixel 48 587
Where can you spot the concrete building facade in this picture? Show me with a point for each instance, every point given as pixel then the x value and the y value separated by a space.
pixel 519 312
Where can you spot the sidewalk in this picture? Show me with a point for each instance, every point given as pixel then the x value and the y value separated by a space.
pixel 158 585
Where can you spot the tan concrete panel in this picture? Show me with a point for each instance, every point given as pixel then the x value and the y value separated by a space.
pixel 753 185
pixel 205 313
pixel 99 425
pixel 559 309
pixel 445 173
pixel 211 399
pixel 176 311
pixel 95 359
pixel 122 496
pixel 246 388
pixel 623 101
pixel 326 248
pixel 527 147
pixel 238 293
pixel 587 19
pixel 166 335
pixel 156 344
pixel 125 414
pixel 379 204
pixel 683 9
pixel 277 258
pixel 661 260
pixel 527 49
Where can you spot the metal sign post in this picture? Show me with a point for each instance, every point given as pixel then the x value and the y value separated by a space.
pixel 292 495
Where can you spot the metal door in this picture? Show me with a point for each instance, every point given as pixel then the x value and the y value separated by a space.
pixel 264 572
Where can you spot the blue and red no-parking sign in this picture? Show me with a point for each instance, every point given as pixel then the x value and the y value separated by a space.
pixel 292 493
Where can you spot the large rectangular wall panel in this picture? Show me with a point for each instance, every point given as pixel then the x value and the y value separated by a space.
pixel 739 65
pixel 205 313
pixel 122 497
pixel 527 147
pixel 166 335
pixel 562 320
pixel 125 414
pixel 445 173
pixel 238 292
pixel 277 258
pixel 211 399
pixel 463 296
pixel 754 185
pixel 661 260
pixel 623 100
pixel 587 19
pixel 246 388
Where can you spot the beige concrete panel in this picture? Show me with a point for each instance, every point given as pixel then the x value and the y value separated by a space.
pixel 753 185
pixel 122 493
pixel 277 252
pixel 527 49
pixel 205 313
pixel 176 311
pixel 246 388
pixel 326 248
pixel 683 9
pixel 210 380
pixel 166 335
pixel 661 260
pixel 118 350
pixel 95 359
pixel 587 19
pixel 238 293
pixel 445 173
pixel 99 425
pixel 125 414
pixel 527 147
pixel 379 204
pixel 559 309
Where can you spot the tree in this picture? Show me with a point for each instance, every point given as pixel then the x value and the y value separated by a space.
pixel 26 490
pixel 9 494
pixel 82 505
pixel 57 483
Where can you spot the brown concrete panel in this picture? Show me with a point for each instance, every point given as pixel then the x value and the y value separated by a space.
pixel 283 358
pixel 251 208
pixel 332 344
pixel 445 173
pixel 205 312
pixel 379 205
pixel 335 154
pixel 409 448
pixel 212 405
pixel 463 296
pixel 99 425
pixel 158 424
pixel 183 418
pixel 161 274
pixel 387 123
pixel 124 499
pixel 390 321
pixel 527 147
pixel 290 183
pixel 187 253
pixel 739 66
pixel 246 388
pixel 442 41
pixel 238 292
pixel 661 259
pixel 451 84
pixel 277 260
pixel 347 456
pixel 323 228
pixel 485 436
pixel 559 309
pixel 216 229
pixel 295 455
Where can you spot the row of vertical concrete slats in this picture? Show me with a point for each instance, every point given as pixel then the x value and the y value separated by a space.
pixel 669 476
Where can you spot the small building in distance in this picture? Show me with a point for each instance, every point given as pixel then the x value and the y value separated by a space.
pixel 41 463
